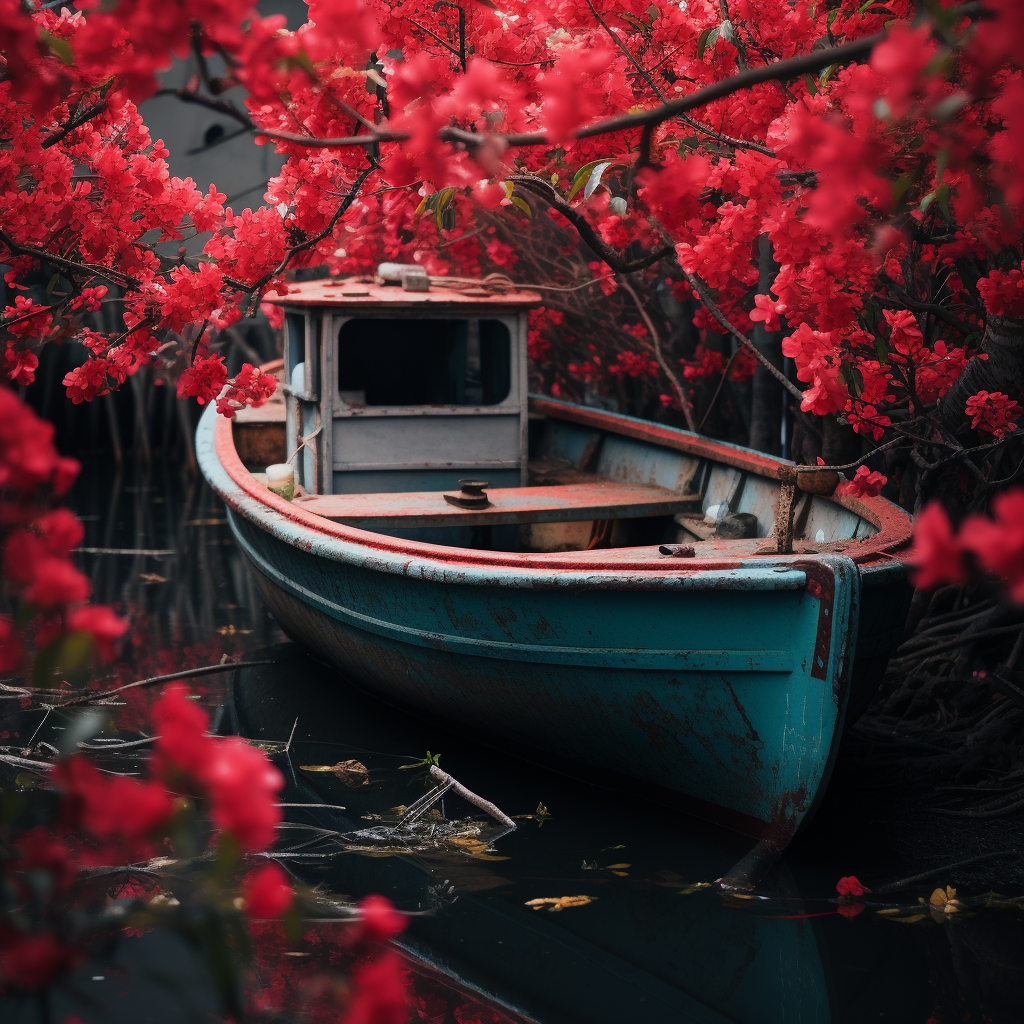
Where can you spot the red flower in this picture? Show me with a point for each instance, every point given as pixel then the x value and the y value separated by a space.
pixel 11 650
pixel 850 886
pixel 204 379
pixel 243 787
pixel 267 891
pixel 379 922
pixel 937 552
pixel 40 850
pixel 241 783
pixel 32 962
pixel 112 807
pixel 767 309
pixel 378 992
pixel 865 484
pixel 998 543
pixel 181 724
pixel 56 581
pixel 993 412
pixel 100 621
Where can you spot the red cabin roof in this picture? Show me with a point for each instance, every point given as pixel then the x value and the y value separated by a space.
pixel 367 295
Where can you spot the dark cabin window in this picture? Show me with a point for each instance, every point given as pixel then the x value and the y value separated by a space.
pixel 424 362
pixel 295 340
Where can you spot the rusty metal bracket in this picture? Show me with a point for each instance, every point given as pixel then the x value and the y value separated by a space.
pixel 786 511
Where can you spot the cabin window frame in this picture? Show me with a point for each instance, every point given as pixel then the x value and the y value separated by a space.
pixel 510 404
pixel 516 403
pixel 311 347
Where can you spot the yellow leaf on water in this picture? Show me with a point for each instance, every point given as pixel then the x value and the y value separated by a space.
pixel 152 577
pixel 621 874
pixel 559 902
pixel 619 867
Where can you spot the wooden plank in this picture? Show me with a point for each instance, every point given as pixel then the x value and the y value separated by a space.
pixel 509 506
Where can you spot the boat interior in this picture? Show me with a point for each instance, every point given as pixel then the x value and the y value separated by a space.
pixel 582 490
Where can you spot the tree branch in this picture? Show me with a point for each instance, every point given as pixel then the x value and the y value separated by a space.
pixel 76 122
pixel 91 269
pixel 547 192
pixel 662 361
pixel 704 294
pixel 313 240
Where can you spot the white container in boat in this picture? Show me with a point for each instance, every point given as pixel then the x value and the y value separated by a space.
pixel 716 513
pixel 281 479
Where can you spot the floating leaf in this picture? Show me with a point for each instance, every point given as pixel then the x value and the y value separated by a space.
pixel 560 902
pixel 619 867
pixel 152 577
pixel 476 848
pixel 352 773
pixel 696 887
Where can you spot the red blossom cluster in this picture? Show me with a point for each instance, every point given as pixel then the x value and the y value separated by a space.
pixel 994 544
pixel 994 413
pixel 37 540
pixel 874 181
pixel 866 483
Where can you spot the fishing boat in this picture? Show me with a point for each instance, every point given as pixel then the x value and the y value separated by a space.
pixel 677 610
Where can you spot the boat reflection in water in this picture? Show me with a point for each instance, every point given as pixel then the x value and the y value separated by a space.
pixel 655 943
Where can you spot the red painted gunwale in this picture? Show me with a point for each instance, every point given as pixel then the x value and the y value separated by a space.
pixel 894 525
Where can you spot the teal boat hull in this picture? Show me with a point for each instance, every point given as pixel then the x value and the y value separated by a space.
pixel 724 682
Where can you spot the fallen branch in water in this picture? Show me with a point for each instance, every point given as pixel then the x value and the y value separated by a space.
pixel 470 797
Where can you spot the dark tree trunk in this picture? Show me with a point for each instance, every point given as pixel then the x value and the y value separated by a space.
pixel 839 444
pixel 1003 371
pixel 766 402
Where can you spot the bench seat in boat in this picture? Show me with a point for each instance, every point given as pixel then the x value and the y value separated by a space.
pixel 509 506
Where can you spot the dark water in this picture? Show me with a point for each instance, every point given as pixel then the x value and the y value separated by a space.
pixel 651 941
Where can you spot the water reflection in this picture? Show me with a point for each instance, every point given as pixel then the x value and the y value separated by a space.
pixel 650 943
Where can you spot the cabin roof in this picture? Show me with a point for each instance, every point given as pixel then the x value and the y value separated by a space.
pixel 357 294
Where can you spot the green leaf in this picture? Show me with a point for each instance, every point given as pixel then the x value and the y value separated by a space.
pixel 595 179
pixel 828 27
pixel 902 184
pixel 707 38
pixel 82 728
pixel 941 162
pixel 827 74
pixel 881 349
pixel 60 48
pixel 301 59
pixel 580 178
pixel 811 87
pixel 444 200
pixel 523 206
pixel 52 283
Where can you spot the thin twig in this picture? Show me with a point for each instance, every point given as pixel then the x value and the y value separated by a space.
pixel 206 670
pixel 662 361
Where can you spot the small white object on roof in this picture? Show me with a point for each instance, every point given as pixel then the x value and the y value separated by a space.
pixel 819 537
pixel 411 276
